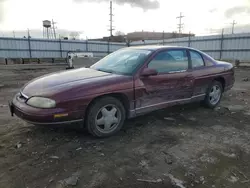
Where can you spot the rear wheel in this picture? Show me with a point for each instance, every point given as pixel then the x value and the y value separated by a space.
pixel 214 95
pixel 105 117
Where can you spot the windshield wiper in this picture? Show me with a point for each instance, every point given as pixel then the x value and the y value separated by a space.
pixel 105 70
pixel 110 71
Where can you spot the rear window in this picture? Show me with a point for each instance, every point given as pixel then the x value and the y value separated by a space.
pixel 208 62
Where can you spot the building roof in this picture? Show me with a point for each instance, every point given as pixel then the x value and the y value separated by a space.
pixel 144 35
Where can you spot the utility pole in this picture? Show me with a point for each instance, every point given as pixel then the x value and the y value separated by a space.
pixel 111 29
pixel 180 25
pixel 14 34
pixel 53 28
pixel 233 24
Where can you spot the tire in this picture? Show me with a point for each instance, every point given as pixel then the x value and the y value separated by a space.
pixel 105 117
pixel 68 68
pixel 210 101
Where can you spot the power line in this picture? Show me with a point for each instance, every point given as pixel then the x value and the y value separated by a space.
pixel 111 28
pixel 233 24
pixel 180 25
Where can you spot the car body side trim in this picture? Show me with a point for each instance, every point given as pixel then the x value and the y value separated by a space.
pixel 179 100
pixel 132 113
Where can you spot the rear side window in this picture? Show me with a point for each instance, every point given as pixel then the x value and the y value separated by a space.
pixel 208 61
pixel 197 60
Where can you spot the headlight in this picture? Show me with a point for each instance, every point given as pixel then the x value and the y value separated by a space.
pixel 41 102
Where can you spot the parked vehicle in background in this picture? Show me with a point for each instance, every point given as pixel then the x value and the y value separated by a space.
pixel 73 57
pixel 127 83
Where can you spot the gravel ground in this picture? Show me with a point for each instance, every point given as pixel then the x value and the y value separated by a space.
pixel 183 146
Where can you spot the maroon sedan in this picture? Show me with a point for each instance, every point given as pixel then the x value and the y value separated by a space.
pixel 127 83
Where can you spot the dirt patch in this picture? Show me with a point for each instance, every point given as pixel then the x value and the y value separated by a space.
pixel 187 146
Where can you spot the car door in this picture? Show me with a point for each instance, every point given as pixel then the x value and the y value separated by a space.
pixel 203 75
pixel 173 83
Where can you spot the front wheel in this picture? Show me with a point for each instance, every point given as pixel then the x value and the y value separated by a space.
pixel 106 117
pixel 213 95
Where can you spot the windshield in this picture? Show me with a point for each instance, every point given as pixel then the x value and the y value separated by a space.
pixel 124 61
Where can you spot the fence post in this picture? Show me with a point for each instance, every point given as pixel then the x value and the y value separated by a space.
pixel 189 39
pixel 221 43
pixel 87 46
pixel 128 43
pixel 108 47
pixel 29 46
pixel 163 42
pixel 60 44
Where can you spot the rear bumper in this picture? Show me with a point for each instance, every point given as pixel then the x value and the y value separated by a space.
pixel 228 87
pixel 44 116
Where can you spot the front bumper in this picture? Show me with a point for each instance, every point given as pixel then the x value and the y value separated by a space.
pixel 11 107
pixel 44 116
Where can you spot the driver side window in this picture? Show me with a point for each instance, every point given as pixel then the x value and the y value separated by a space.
pixel 170 61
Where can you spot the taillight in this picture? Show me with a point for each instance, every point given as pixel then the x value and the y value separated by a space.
pixel 232 70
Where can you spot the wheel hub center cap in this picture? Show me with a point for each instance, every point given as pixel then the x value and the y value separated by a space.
pixel 109 119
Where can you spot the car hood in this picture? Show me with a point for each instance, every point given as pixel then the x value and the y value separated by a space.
pixel 55 82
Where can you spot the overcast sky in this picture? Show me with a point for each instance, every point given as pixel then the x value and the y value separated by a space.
pixel 91 16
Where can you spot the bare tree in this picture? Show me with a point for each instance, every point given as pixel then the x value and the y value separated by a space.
pixel 119 33
pixel 74 35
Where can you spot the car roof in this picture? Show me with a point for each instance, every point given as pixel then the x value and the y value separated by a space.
pixel 157 47
pixel 160 47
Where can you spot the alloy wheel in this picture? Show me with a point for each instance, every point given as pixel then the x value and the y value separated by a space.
pixel 215 94
pixel 108 118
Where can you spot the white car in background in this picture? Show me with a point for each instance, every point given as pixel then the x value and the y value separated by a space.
pixel 74 56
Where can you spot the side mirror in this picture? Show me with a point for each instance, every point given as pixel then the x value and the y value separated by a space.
pixel 149 72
